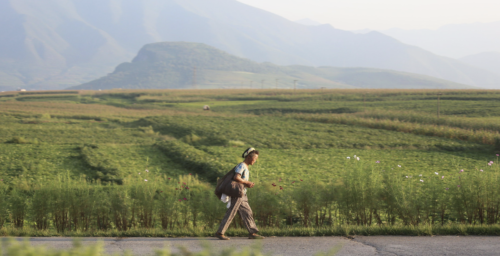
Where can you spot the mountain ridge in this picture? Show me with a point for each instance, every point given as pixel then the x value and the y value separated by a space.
pixel 170 65
pixel 64 43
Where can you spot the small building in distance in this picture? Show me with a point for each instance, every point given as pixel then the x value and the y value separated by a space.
pixel 22 90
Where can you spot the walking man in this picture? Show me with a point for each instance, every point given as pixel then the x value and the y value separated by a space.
pixel 240 204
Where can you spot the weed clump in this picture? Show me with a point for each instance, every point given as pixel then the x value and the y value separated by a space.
pixel 18 140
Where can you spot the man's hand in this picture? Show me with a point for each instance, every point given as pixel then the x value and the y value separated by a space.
pixel 247 184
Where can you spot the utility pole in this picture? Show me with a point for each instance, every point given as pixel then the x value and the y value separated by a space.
pixel 295 84
pixel 439 94
pixel 262 83
pixel 194 77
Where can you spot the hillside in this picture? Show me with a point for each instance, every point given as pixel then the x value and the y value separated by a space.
pixel 486 60
pixel 171 65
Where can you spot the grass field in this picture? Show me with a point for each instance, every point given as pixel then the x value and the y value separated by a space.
pixel 414 168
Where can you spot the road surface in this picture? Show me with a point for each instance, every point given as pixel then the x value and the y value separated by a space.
pixel 292 246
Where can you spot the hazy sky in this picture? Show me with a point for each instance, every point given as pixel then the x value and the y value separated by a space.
pixel 384 14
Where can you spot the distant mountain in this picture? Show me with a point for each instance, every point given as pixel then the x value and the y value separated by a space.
pixel 485 60
pixel 55 44
pixel 308 22
pixel 454 41
pixel 51 44
pixel 362 31
pixel 171 65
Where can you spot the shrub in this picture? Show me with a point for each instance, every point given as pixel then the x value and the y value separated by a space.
pixel 18 140
pixel 45 116
pixel 236 143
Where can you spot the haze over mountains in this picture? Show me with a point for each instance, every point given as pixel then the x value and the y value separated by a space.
pixel 170 65
pixel 454 41
pixel 486 60
pixel 54 44
pixel 308 22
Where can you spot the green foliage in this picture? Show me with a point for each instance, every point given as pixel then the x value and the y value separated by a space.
pixel 3 203
pixel 45 116
pixel 194 159
pixel 475 136
pixel 87 174
pixel 48 92
pixel 63 97
pixel 103 166
pixel 288 133
pixel 18 140
pixel 15 248
pixel 362 193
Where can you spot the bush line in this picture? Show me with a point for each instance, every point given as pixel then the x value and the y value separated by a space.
pixel 424 118
pixel 363 194
pixel 475 136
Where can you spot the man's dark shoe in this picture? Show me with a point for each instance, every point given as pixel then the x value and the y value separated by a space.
pixel 255 236
pixel 221 236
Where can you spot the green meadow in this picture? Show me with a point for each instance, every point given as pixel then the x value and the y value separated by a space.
pixel 87 162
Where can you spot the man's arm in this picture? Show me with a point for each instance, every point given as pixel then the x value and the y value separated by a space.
pixel 238 178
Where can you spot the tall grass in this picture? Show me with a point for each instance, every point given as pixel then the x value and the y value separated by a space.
pixel 364 194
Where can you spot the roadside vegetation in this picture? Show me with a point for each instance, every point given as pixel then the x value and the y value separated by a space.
pixel 15 248
pixel 333 162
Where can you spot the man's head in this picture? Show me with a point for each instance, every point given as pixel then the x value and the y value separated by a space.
pixel 250 156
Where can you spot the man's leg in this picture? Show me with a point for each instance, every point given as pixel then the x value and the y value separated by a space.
pixel 246 215
pixel 229 216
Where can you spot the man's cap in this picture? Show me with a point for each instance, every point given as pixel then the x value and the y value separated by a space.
pixel 247 152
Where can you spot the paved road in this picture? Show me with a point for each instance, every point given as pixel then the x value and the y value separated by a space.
pixel 291 246
pixel 436 245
